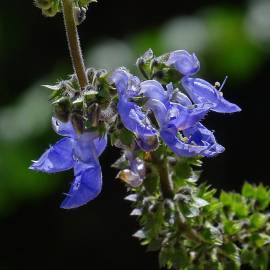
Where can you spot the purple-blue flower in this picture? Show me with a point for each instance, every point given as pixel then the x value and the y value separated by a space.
pixel 200 135
pixel 184 62
pixel 132 116
pixel 181 115
pixel 200 91
pixel 80 152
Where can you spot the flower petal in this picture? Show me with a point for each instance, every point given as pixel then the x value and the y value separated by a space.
pixel 201 136
pixel 200 91
pixel 63 129
pixel 125 83
pixel 180 148
pixel 154 90
pixel 182 99
pixel 159 109
pixel 100 144
pixel 57 158
pixel 134 119
pixel 84 147
pixel 147 143
pixel 186 117
pixel 184 62
pixel 85 187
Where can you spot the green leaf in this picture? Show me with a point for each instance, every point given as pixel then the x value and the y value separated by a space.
pixel 165 256
pixel 212 234
pixel 260 239
pixel 248 190
pixel 232 252
pixel 231 227
pixel 236 203
pixel 257 221
pixel 263 196
pixel 247 256
pixel 199 202
pixel 180 258
pixel 261 261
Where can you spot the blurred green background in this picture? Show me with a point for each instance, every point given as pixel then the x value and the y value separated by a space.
pixel 229 39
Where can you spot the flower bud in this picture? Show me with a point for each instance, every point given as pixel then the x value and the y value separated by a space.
pixel 93 114
pixel 77 121
pixel 90 72
pixel 79 15
pixel 130 178
pixel 51 12
pixel 62 109
pixel 109 114
pixel 148 143
pixel 43 4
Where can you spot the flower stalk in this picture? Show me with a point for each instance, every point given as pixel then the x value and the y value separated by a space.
pixel 74 43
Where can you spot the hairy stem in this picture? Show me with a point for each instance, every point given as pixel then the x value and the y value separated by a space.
pixel 74 42
pixel 166 183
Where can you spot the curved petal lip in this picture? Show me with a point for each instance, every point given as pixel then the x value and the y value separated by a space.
pixel 86 186
pixel 58 158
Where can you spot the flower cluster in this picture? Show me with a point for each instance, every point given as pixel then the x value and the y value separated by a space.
pixel 163 110
pixel 177 117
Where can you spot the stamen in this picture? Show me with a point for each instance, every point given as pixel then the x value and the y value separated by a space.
pixel 217 84
pixel 226 77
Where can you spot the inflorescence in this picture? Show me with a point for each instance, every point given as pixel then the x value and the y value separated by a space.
pixel 162 112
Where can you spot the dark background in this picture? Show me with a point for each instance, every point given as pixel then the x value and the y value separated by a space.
pixel 35 232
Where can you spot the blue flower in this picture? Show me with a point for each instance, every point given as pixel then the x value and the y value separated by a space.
pixel 184 62
pixel 200 135
pixel 132 116
pixel 80 152
pixel 200 91
pixel 181 115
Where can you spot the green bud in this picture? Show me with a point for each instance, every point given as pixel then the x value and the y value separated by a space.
pixel 43 4
pixel 85 3
pixel 93 114
pixel 51 12
pixel 62 109
pixel 90 72
pixel 77 121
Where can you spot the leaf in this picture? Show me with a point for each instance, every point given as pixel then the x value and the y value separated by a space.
pixel 236 203
pixel 131 197
pixel 212 234
pixel 180 258
pixel 260 239
pixel 257 221
pixel 263 196
pixel 52 87
pixel 199 202
pixel 247 256
pixel 136 212
pixel 139 234
pixel 232 252
pixel 231 227
pixel 261 261
pixel 165 256
pixel 248 190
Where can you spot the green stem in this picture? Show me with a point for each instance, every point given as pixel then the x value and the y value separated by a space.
pixel 166 184
pixel 74 43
